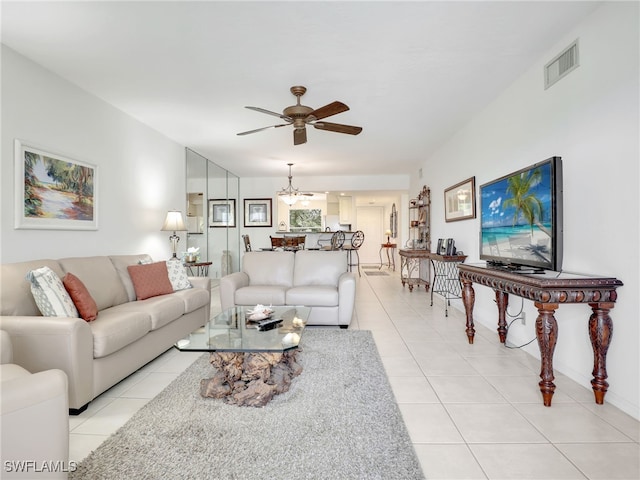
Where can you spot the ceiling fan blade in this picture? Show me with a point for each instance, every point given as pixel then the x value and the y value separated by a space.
pixel 299 136
pixel 269 112
pixel 263 128
pixel 337 127
pixel 328 110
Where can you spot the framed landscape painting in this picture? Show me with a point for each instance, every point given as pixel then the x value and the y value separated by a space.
pixel 53 191
pixel 222 212
pixel 257 212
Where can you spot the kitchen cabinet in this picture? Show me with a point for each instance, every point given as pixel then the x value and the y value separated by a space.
pixel 346 210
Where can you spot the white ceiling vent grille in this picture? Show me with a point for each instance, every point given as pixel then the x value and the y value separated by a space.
pixel 561 65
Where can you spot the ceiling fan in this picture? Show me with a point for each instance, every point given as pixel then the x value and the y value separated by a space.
pixel 300 116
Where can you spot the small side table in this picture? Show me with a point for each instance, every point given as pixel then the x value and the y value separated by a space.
pixel 446 279
pixel 202 268
pixel 414 268
pixel 390 248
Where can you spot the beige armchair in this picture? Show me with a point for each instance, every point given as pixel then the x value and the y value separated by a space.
pixel 313 278
pixel 35 420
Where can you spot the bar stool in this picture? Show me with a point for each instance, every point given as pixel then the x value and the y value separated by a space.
pixel 356 242
pixel 247 243
pixel 337 241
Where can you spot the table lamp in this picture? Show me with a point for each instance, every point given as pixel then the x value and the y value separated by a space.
pixel 388 234
pixel 173 223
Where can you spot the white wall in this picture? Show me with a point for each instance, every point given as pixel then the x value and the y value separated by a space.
pixel 590 119
pixel 140 172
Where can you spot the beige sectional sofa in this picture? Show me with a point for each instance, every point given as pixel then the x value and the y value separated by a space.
pixel 126 334
pixel 313 278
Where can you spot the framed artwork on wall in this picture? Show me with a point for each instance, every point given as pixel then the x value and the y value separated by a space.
pixel 222 212
pixel 53 192
pixel 257 212
pixel 460 201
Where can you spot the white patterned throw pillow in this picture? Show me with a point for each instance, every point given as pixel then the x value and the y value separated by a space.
pixel 178 275
pixel 50 295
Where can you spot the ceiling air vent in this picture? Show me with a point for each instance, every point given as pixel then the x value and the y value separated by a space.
pixel 561 65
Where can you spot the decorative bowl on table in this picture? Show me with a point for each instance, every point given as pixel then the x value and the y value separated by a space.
pixel 259 312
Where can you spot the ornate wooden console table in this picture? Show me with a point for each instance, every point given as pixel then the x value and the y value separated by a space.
pixel 548 290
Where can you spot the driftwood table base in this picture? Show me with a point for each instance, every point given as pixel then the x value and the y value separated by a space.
pixel 248 378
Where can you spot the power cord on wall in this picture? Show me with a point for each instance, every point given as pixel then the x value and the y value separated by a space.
pixel 517 316
pixel 515 346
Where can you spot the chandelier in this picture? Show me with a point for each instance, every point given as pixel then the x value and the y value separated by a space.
pixel 289 195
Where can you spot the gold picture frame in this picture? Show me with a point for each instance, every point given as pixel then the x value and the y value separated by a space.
pixel 460 201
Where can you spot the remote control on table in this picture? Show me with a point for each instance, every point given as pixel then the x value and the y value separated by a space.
pixel 269 324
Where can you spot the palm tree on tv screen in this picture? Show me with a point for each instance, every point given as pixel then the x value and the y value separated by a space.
pixel 525 202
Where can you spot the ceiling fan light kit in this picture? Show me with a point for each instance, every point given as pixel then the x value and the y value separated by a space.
pixel 290 195
pixel 300 116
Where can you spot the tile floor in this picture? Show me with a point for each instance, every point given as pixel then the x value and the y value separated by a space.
pixel 473 412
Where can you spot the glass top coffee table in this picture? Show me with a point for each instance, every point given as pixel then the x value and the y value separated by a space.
pixel 251 365
pixel 233 331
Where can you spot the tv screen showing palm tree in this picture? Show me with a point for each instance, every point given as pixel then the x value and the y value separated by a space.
pixel 521 218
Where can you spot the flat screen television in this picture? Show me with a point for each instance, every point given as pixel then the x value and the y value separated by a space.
pixel 521 218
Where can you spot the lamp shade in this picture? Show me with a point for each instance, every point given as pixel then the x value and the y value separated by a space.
pixel 388 232
pixel 289 199
pixel 173 222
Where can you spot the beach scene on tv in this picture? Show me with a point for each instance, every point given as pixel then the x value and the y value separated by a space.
pixel 516 217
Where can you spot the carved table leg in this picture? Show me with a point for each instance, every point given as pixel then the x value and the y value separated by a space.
pixel 469 298
pixel 502 299
pixel 547 333
pixel 600 331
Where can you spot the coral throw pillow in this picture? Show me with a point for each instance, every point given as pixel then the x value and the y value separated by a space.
pixel 150 280
pixel 81 297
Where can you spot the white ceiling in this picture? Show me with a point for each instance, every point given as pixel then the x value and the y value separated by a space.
pixel 412 72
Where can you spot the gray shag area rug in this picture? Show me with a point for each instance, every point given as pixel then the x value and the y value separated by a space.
pixel 339 420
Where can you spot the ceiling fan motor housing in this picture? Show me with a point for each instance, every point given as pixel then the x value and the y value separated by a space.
pixel 300 115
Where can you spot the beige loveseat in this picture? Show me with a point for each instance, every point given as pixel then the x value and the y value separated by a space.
pixel 34 420
pixel 126 334
pixel 317 279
